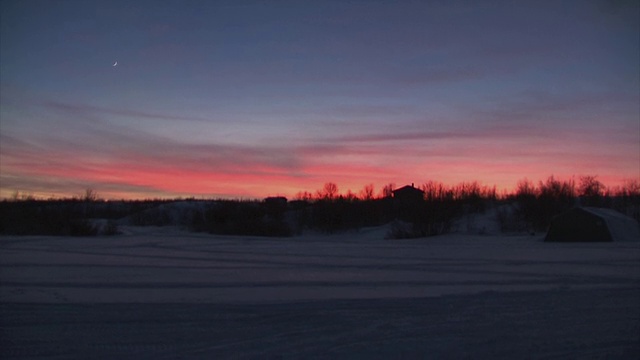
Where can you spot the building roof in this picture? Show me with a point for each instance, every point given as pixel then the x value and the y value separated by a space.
pixel 574 225
pixel 605 213
pixel 408 189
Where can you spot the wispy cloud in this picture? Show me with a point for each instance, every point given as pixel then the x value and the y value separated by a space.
pixel 546 106
pixel 89 110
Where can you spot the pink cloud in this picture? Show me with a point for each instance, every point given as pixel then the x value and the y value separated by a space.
pixel 136 164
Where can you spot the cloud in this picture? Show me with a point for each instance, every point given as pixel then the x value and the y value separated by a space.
pixel 499 143
pixel 146 165
pixel 544 105
pixel 149 162
pixel 437 76
pixel 453 135
pixel 88 110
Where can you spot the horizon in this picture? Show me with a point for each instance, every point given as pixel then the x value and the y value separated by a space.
pixel 631 186
pixel 246 100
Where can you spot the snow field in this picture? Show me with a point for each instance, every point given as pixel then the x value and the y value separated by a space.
pixel 161 293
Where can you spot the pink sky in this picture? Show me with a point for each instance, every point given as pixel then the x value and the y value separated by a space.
pixel 216 100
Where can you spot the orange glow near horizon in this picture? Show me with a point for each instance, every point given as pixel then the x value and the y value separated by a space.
pixel 254 172
pixel 130 181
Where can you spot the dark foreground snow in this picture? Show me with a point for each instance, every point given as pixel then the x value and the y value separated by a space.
pixel 547 324
pixel 168 295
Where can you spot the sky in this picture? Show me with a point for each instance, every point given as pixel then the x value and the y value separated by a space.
pixel 247 99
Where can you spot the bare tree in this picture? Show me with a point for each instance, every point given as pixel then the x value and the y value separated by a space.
pixel 350 196
pixel 590 187
pixel 436 191
pixel 525 188
pixel 367 192
pixel 329 191
pixel 304 196
pixel 387 190
pixel 90 195
pixel 630 188
pixel 591 191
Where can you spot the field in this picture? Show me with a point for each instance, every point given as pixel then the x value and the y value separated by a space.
pixel 159 293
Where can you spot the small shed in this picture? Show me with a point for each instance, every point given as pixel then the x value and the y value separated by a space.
pixel 408 194
pixel 408 203
pixel 588 224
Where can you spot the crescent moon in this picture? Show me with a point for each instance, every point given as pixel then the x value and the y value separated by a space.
pixel 115 64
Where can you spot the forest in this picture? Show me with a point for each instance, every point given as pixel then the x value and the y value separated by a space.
pixel 429 209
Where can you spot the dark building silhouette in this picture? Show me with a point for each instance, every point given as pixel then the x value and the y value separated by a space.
pixel 276 201
pixel 275 205
pixel 592 224
pixel 407 203
pixel 408 194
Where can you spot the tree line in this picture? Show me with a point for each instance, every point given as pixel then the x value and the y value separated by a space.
pixel 530 207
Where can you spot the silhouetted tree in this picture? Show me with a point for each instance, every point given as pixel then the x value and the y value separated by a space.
pixel 304 196
pixel 367 192
pixel 329 191
pixel 626 198
pixel 89 195
pixel 349 196
pixel 526 197
pixel 387 190
pixel 554 197
pixel 591 191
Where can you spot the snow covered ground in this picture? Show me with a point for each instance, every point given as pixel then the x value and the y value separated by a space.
pixel 159 293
